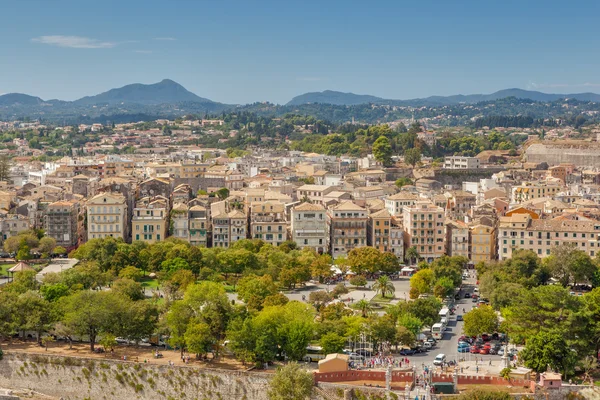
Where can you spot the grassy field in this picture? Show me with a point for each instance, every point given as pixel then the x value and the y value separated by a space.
pixel 379 299
pixel 149 283
pixel 4 268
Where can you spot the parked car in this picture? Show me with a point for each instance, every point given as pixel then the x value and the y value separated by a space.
pixel 428 345
pixel 485 337
pixel 475 349
pixel 406 352
pixel 484 350
pixel 439 359
pixel 459 317
pixel 463 349
pixel 467 295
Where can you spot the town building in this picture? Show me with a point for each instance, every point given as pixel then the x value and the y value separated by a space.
pixel 107 216
pixel 347 227
pixel 150 220
pixel 62 222
pixel 268 222
pixel 309 227
pixel 424 229
pixel 395 203
pixel 459 162
pixel 483 243
pixel 457 239
pixel 521 231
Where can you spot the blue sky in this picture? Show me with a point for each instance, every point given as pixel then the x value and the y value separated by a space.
pixel 246 51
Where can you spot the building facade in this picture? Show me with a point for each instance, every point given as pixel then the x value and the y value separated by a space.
pixel 347 227
pixel 150 220
pixel 309 227
pixel 107 216
pixel 61 223
pixel 483 243
pixel 424 229
pixel 268 222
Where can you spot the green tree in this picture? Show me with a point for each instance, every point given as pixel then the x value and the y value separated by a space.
pixel 222 193
pixel 108 341
pixel 549 349
pixel 291 382
pixel 46 245
pixel 412 156
pixel 198 338
pixel 131 272
pixel 253 290
pixel 401 182
pixel 480 320
pixel 384 286
pixel 358 280
pixel 364 259
pixel 332 343
pixel 382 150
pixel 422 281
pixel 128 288
pixel 364 307
pixel 410 322
pixel 412 255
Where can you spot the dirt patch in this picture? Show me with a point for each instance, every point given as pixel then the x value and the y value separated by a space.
pixel 128 353
pixel 493 388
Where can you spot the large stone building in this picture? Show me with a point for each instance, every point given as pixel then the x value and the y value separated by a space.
pixel 309 227
pixel 347 227
pixel 395 203
pixel 107 216
pixel 62 221
pixel 150 222
pixel 424 229
pixel 582 153
pixel 521 231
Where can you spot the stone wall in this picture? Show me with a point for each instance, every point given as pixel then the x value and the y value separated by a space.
pixel 79 378
pixel 583 154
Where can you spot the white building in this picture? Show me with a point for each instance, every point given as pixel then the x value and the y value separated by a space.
pixel 309 227
pixel 107 216
pixel 459 162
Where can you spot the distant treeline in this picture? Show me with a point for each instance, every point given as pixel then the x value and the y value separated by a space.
pixel 503 121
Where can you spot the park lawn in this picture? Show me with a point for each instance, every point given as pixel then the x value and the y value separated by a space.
pixel 379 299
pixel 229 288
pixel 150 283
pixel 4 269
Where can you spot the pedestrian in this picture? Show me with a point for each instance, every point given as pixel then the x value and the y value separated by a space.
pixel 490 363
pixel 477 369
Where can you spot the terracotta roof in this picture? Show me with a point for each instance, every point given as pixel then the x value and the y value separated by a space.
pixel 20 267
pixel 348 206
pixel 309 207
pixel 381 214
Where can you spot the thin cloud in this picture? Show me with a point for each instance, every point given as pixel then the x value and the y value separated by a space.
pixel 74 42
pixel 143 51
pixel 170 39
pixel 310 79
pixel 534 85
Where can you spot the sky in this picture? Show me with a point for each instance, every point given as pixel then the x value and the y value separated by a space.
pixel 246 51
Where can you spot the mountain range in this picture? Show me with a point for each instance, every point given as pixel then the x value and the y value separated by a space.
pixel 349 99
pixel 168 99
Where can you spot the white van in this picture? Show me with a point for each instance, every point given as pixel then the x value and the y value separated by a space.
pixel 440 359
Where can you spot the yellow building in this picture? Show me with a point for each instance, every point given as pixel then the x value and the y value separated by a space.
pixel 483 243
pixel 529 191
pixel 150 220
pixel 107 216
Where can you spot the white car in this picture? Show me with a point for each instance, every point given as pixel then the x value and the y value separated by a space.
pixel 439 359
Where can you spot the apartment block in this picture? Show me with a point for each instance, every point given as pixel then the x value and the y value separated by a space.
pixel 520 231
pixel 199 225
pixel 457 239
pixel 459 162
pixel 150 220
pixel 347 227
pixel 61 223
pixel 107 216
pixel 424 229
pixel 483 243
pixel 309 227
pixel 314 193
pixel 534 190
pixel 395 203
pixel 268 222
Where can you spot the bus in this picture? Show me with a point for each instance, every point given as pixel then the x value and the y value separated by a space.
pixel 437 331
pixel 314 354
pixel 444 313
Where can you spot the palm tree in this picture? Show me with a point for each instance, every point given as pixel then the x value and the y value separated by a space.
pixel 364 306
pixel 384 286
pixel 412 254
